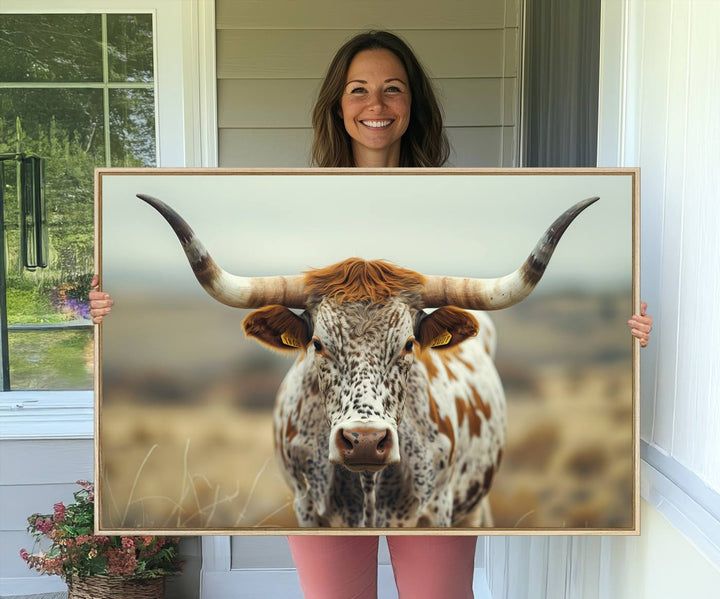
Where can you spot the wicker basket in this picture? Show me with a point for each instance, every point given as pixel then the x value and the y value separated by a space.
pixel 116 587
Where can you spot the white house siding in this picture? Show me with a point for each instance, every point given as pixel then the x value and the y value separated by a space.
pixel 34 475
pixel 271 58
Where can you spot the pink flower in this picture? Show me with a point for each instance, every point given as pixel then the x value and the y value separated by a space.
pixel 128 543
pixel 59 512
pixel 24 554
pixel 44 526
pixel 82 539
pixel 121 562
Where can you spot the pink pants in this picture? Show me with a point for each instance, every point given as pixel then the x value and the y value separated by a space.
pixel 425 567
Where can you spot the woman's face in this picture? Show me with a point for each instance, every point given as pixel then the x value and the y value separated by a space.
pixel 375 107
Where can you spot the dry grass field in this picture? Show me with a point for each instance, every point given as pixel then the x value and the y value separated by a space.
pixel 191 447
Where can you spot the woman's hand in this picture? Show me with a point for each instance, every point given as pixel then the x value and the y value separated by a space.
pixel 100 302
pixel 641 325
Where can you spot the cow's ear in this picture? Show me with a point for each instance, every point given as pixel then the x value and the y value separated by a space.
pixel 277 327
pixel 445 327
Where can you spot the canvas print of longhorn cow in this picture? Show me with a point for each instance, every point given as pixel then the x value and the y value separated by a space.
pixel 416 381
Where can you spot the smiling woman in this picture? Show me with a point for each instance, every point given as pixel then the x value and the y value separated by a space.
pixel 377 108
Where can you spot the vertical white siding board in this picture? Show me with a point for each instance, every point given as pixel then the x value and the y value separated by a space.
pixel 673 230
pixel 611 89
pixel 653 147
pixel 651 207
pixel 699 330
pixel 351 14
pixel 497 566
pixel 538 567
pixel 518 566
pixel 558 552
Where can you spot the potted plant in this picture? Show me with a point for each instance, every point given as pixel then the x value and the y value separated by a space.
pixel 95 566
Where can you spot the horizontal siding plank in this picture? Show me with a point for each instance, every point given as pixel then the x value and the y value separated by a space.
pixel 266 103
pixel 253 54
pixel 278 103
pixel 370 14
pixel 264 147
pixel 473 102
pixel 11 564
pixel 38 462
pixel 475 146
pixel 470 146
pixel 19 501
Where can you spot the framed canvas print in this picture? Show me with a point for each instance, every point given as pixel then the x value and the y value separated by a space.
pixel 354 351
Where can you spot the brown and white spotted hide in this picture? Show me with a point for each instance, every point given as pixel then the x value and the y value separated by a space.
pixel 434 418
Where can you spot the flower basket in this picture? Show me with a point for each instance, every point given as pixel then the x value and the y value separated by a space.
pixel 98 566
pixel 116 587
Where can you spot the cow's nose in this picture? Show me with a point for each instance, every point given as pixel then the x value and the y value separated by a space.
pixel 364 448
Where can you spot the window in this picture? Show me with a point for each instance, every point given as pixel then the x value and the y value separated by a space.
pixel 78 91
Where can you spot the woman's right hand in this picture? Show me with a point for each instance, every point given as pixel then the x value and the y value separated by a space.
pixel 100 302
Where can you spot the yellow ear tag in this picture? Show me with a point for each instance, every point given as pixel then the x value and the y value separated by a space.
pixel 442 339
pixel 289 341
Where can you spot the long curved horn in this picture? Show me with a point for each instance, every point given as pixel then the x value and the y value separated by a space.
pixel 238 292
pixel 502 292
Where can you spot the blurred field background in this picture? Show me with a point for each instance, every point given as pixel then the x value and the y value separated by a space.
pixel 191 446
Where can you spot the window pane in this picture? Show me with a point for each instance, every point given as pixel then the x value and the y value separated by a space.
pixel 51 119
pixel 132 127
pixel 130 47
pixel 54 359
pixel 50 48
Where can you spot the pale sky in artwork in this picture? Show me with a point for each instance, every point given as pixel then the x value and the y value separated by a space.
pixel 461 225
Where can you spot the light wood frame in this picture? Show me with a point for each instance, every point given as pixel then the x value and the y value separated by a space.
pixel 104 176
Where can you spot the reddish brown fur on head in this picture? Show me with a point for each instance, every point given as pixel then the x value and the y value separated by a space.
pixel 357 280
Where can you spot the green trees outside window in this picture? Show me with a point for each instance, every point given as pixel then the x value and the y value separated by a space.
pixel 77 90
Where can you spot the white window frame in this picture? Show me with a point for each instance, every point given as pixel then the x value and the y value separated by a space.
pixel 186 129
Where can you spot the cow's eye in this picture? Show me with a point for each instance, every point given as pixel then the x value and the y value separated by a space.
pixel 317 345
pixel 409 346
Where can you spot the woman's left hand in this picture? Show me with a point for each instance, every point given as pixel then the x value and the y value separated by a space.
pixel 641 325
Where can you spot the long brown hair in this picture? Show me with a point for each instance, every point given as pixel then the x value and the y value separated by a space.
pixel 423 144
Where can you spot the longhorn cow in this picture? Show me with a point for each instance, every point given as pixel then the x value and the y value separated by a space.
pixel 388 417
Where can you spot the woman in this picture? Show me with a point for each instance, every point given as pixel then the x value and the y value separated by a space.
pixel 377 108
